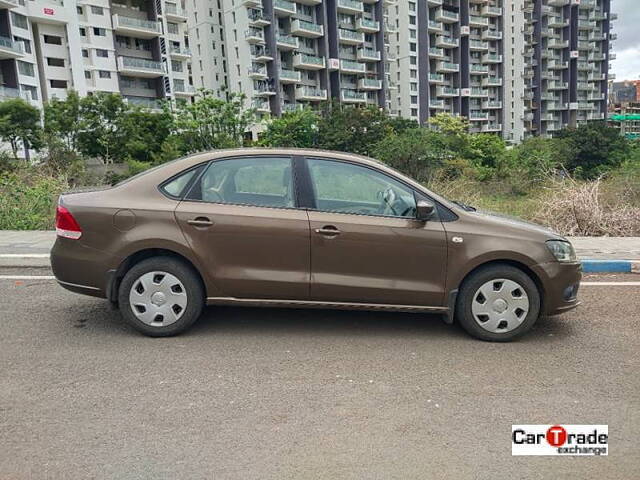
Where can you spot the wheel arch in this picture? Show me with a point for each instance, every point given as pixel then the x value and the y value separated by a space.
pixel 116 275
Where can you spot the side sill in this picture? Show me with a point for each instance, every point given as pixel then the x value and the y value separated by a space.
pixel 267 302
pixel 75 285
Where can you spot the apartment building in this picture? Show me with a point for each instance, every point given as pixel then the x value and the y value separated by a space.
pixel 516 67
pixel 138 48
pixel 286 54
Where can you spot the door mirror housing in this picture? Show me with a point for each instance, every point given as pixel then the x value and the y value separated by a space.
pixel 424 210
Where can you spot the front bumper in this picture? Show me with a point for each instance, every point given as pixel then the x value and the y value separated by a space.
pixel 560 283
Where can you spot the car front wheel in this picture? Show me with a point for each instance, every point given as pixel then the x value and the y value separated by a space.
pixel 498 303
pixel 161 296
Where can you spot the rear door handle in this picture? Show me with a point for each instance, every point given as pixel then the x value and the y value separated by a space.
pixel 328 230
pixel 200 222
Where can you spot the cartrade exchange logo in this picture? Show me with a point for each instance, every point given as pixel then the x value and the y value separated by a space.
pixel 559 440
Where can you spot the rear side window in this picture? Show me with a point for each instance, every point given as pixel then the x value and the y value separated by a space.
pixel 175 187
pixel 259 181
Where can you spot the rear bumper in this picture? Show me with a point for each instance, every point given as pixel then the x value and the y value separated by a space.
pixel 560 282
pixel 79 268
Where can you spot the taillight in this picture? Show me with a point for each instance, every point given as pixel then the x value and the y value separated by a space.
pixel 66 225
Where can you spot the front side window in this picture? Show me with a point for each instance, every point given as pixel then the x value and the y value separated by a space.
pixel 259 181
pixel 346 188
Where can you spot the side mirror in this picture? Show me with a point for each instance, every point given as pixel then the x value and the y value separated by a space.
pixel 424 210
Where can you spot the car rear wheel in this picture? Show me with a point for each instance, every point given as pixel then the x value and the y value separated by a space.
pixel 161 296
pixel 498 303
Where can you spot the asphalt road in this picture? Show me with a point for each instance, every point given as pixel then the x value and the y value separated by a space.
pixel 280 394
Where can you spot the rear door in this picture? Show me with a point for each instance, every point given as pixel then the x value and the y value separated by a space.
pixel 241 218
pixel 366 244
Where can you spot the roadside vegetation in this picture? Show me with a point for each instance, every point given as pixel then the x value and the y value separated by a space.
pixel 586 181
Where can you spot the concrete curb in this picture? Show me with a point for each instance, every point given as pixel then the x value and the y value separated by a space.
pixel 611 266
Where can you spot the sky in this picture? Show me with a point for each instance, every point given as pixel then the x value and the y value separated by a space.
pixel 626 66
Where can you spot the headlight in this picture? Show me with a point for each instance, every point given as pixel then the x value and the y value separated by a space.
pixel 563 251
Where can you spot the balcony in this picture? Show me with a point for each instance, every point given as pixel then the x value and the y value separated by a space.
pixel 478 45
pixel 302 28
pixel 140 67
pixel 284 8
pixel 261 105
pixel 257 18
pixel 9 48
pixel 175 13
pixel 478 69
pixel 352 7
pixel 135 27
pixel 304 61
pixel 350 37
pixel 254 35
pixel 490 34
pixel 435 52
pixel 310 94
pixel 557 106
pixel 557 22
pixel 286 42
pixel 349 66
pixel 491 58
pixel 492 105
pixel 258 71
pixel 447 92
pixel 476 21
pixel 446 42
pixel 263 88
pixel 478 92
pixel 491 127
pixel 437 104
pixel 491 82
pixel 447 67
pixel 352 96
pixel 557 65
pixel 144 102
pixel 367 26
pixel 369 84
pixel 183 90
pixel 181 53
pixel 490 11
pixel 261 53
pixel 366 54
pixel 436 78
pixel 557 43
pixel 290 76
pixel 479 116
pixel 557 85
pixel 596 77
pixel 435 27
pixel 446 16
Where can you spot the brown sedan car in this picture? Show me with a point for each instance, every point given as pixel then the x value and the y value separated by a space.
pixel 305 228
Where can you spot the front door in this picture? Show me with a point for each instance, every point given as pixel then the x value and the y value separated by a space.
pixel 366 244
pixel 241 219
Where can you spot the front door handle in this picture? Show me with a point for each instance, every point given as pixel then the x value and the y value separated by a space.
pixel 328 230
pixel 200 222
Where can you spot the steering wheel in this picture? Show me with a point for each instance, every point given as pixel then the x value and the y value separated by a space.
pixel 388 200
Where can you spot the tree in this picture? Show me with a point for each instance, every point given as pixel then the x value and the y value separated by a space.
pixel 352 129
pixel 449 124
pixel 211 123
pixel 486 150
pixel 146 132
pixel 293 129
pixel 20 125
pixel 417 152
pixel 592 149
pixel 101 132
pixel 62 119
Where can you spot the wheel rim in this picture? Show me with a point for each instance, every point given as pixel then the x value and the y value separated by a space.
pixel 500 305
pixel 158 299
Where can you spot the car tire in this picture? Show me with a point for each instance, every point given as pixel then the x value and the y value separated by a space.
pixel 498 303
pixel 161 296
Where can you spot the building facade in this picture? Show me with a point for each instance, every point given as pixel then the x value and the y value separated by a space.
pixel 136 48
pixel 283 54
pixel 624 92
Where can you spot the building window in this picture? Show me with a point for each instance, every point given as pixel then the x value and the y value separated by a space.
pixel 83 32
pixel 26 68
pixel 79 10
pixel 87 74
pixel 176 66
pixel 53 39
pixel 104 74
pixel 172 28
pixel 33 91
pixel 25 42
pixel 97 10
pixel 99 32
pixel 58 83
pixel 19 21
pixel 55 62
pixel 102 53
pixel 85 53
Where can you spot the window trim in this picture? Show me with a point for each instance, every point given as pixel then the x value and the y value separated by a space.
pixel 208 164
pixel 313 206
